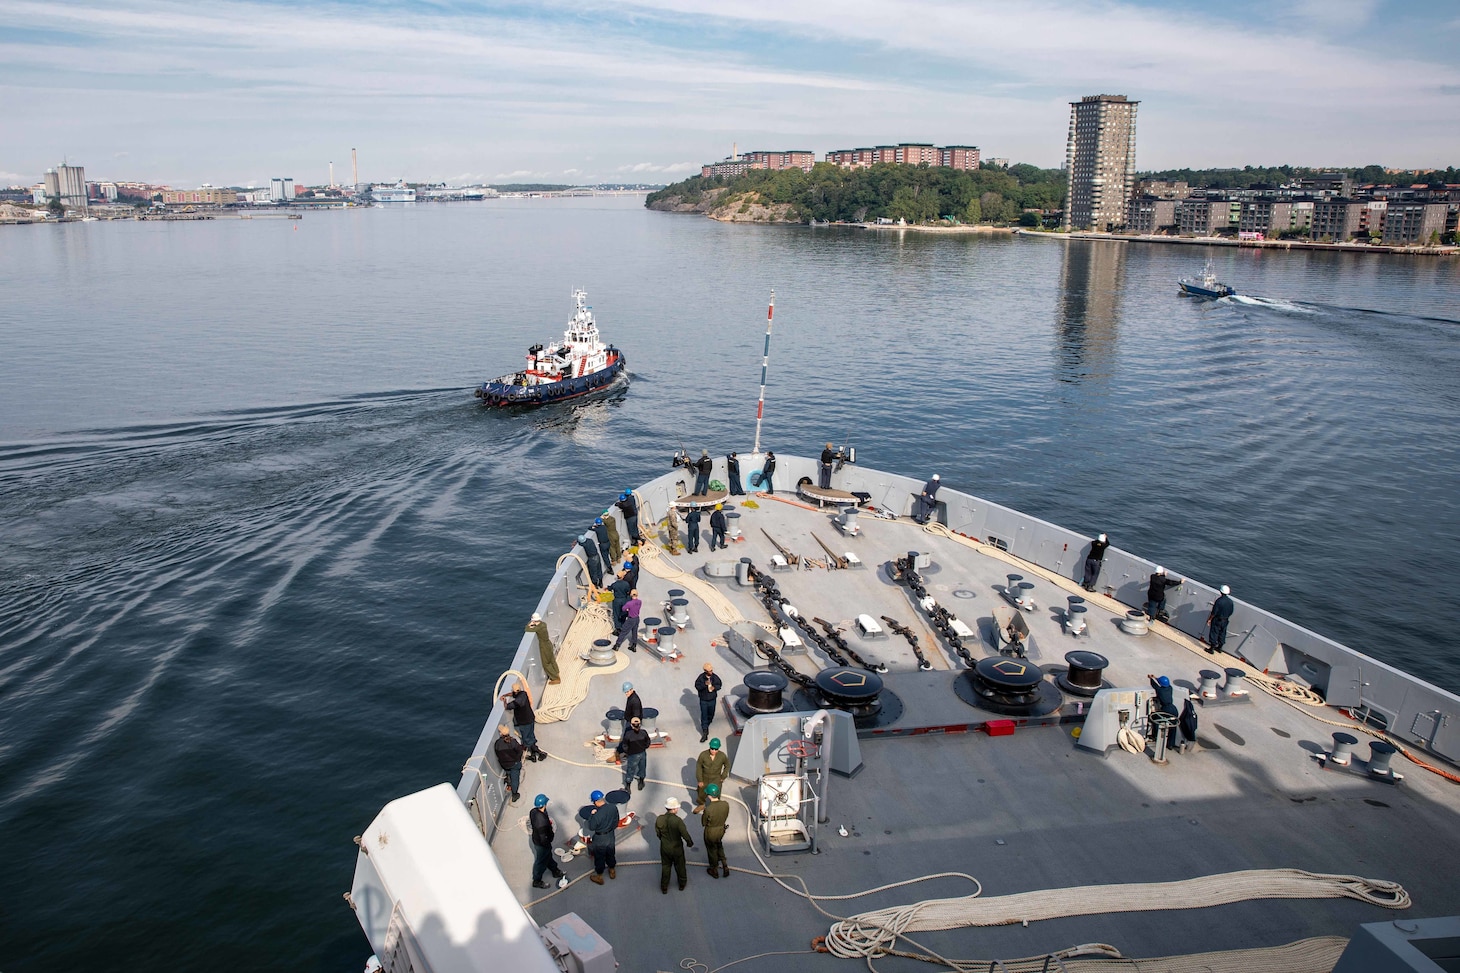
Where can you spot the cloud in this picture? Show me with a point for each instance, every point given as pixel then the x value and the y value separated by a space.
pixel 15 177
pixel 518 174
pixel 653 167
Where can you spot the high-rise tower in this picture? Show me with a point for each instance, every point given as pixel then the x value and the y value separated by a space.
pixel 1100 160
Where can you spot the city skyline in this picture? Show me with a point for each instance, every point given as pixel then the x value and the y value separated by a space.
pixel 235 93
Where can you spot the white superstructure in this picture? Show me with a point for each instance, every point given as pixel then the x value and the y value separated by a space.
pixel 399 193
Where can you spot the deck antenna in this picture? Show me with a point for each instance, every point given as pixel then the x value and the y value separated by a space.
pixel 765 363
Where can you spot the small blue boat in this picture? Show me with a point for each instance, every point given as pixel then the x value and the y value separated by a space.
pixel 1206 285
pixel 581 364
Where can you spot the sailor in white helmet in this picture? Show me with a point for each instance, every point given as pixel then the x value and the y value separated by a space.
pixel 1156 594
pixel 1217 620
pixel 1093 561
pixel 927 501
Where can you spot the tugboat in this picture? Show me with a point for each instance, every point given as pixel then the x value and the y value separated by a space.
pixel 578 365
pixel 1206 285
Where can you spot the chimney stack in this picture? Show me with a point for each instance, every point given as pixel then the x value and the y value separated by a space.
pixel 355 166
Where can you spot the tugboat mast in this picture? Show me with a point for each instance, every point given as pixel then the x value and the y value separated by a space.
pixel 765 363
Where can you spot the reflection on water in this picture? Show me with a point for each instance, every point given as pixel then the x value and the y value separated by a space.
pixel 1092 278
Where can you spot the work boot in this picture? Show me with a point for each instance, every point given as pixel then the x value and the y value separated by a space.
pixel 664 889
pixel 540 884
pixel 516 798
pixel 554 682
pixel 682 886
pixel 725 868
pixel 613 873
pixel 538 752
pixel 596 878
pixel 704 735
pixel 714 872
pixel 633 648
pixel 641 783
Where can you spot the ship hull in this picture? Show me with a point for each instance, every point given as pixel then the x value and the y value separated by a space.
pixel 505 395
pixel 1199 290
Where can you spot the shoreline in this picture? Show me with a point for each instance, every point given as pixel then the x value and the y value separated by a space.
pixel 1444 250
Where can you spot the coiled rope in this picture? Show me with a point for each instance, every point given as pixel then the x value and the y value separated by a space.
pixel 574 672
pixel 1316 955
pixel 652 560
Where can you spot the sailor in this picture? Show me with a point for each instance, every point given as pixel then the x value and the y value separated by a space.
pixel 707 688
pixel 633 748
pixel 632 566
pixel 671 528
pixel 600 530
pixel 711 767
pixel 545 649
pixel 828 457
pixel 766 471
pixel 620 589
pixel 732 474
pixel 716 816
pixel 927 501
pixel 673 836
pixel 523 718
pixel 692 530
pixel 629 630
pixel 718 526
pixel 540 823
pixel 629 505
pixel 1217 620
pixel 1165 702
pixel 590 555
pixel 704 466
pixel 1156 593
pixel 1093 561
pixel 633 706
pixel 602 822
pixel 509 757
pixel 615 548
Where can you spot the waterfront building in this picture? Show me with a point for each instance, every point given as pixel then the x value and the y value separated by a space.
pixel 107 191
pixel 1336 220
pixel 281 190
pixel 737 165
pixel 1151 214
pixel 1100 157
pixel 1162 189
pixel 1206 216
pixel 67 183
pixel 203 196
pixel 1270 217
pixel 1334 184
pixel 38 194
pixel 907 154
pixel 1414 221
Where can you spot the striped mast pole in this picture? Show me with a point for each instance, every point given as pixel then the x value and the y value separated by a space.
pixel 765 363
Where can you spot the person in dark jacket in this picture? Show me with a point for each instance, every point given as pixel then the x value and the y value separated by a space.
pixel 633 706
pixel 828 457
pixel 632 567
pixel 1093 562
pixel 673 836
pixel 629 630
pixel 600 531
pixel 707 688
pixel 509 757
pixel 633 749
pixel 1165 700
pixel 1217 619
pixel 716 816
pixel 590 557
pixel 718 526
pixel 543 832
pixel 732 474
pixel 692 530
pixel 602 822
pixel 620 589
pixel 1156 593
pixel 703 468
pixel 766 471
pixel 927 501
pixel 519 704
pixel 629 505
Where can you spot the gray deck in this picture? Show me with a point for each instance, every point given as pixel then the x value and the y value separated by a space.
pixel 1030 811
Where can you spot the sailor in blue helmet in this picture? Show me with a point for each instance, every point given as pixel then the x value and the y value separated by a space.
pixel 633 705
pixel 590 554
pixel 692 530
pixel 602 822
pixel 629 505
pixel 632 567
pixel 732 474
pixel 1165 701
pixel 600 531
pixel 620 588
pixel 540 823
pixel 1217 619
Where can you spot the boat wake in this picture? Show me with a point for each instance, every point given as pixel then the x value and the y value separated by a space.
pixel 1275 304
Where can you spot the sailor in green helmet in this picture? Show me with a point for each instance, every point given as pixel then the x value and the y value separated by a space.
pixel 715 817
pixel 712 767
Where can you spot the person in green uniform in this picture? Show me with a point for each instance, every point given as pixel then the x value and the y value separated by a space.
pixel 545 651
pixel 615 547
pixel 673 836
pixel 716 816
pixel 712 767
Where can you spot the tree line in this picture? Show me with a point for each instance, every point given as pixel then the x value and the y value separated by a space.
pixel 917 194
pixel 1250 177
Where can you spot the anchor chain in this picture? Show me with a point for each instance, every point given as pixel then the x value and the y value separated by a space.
pixel 835 634
pixel 912 639
pixel 941 617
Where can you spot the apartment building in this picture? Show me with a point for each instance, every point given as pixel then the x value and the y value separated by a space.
pixel 1100 157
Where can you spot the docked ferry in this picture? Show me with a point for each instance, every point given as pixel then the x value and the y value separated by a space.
pixel 399 193
pixel 579 365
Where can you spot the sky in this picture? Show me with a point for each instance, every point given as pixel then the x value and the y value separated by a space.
pixel 587 91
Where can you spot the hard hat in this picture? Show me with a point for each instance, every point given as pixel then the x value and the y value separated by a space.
pixel 636 721
pixel 628 565
pixel 719 506
pixel 540 801
pixel 714 743
pixel 1163 682
pixel 1225 590
pixel 672 804
pixel 704 452
pixel 582 538
pixel 536 617
pixel 1160 570
pixel 597 521
pixel 596 796
pixel 1102 537
pixel 627 686
pixel 712 789
pixel 936 477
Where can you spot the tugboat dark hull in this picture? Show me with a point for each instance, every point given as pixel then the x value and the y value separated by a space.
pixel 505 394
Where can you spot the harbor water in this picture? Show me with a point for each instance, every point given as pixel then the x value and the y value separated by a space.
pixel 262 556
